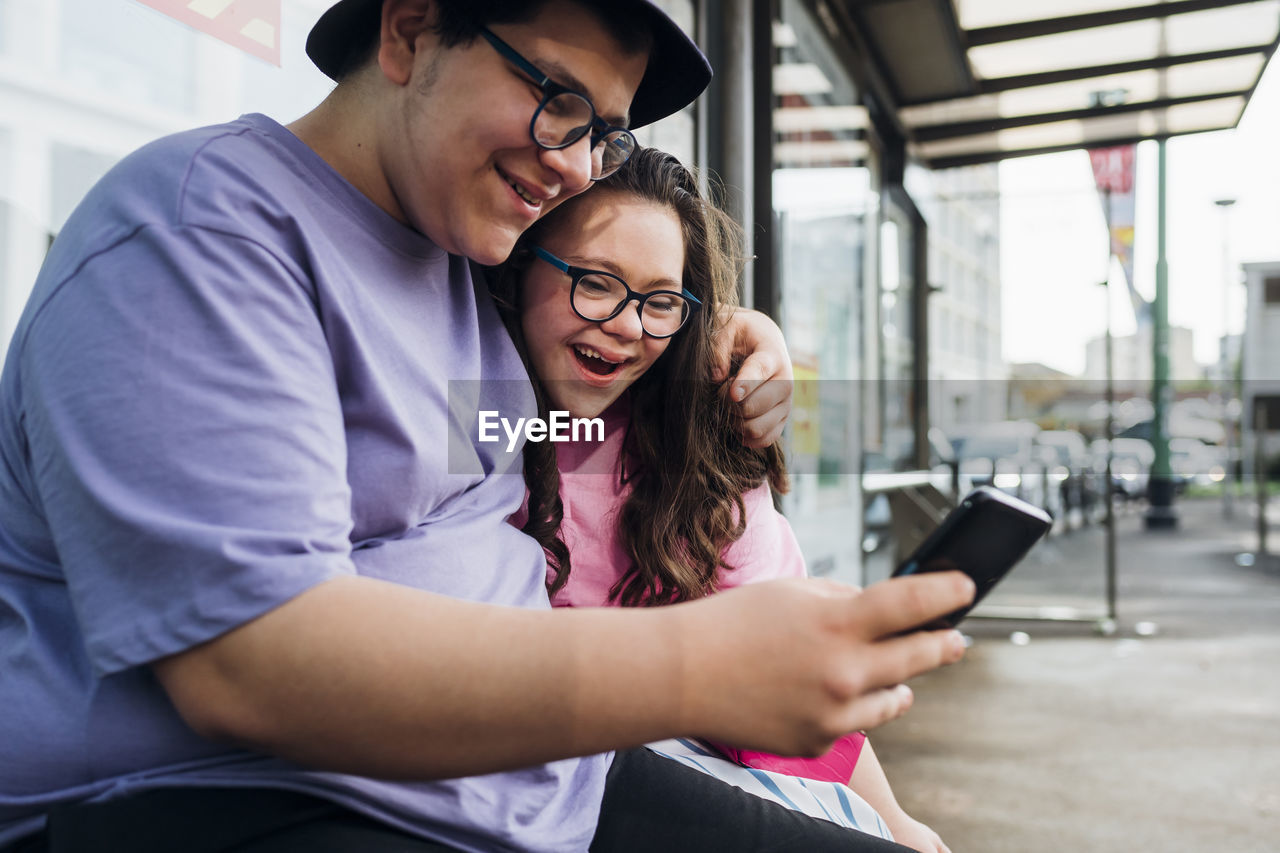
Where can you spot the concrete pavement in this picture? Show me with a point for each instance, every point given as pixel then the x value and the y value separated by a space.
pixel 1164 736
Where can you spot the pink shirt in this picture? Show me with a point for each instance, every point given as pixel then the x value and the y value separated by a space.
pixel 593 494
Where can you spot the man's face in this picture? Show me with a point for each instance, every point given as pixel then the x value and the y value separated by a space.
pixel 461 163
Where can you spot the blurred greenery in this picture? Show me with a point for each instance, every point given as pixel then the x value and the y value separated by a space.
pixel 1244 491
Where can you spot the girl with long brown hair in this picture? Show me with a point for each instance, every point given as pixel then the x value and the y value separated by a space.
pixel 614 300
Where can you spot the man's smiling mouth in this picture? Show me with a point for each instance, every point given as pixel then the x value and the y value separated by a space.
pixel 522 192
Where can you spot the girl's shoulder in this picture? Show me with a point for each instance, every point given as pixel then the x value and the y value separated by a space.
pixel 767 549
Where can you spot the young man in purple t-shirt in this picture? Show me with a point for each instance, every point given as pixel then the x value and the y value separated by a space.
pixel 255 585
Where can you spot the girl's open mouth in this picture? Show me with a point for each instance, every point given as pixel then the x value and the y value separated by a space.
pixel 593 361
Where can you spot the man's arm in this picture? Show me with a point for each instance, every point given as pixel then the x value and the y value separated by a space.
pixel 367 677
pixel 763 384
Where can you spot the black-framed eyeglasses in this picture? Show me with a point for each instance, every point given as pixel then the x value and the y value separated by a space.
pixel 564 116
pixel 597 296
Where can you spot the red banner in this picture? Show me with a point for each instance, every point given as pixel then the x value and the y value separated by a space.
pixel 1113 172
pixel 251 25
pixel 1113 168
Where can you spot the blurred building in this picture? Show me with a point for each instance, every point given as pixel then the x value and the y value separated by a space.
pixel 966 367
pixel 1260 368
pixel 1229 354
pixel 1035 391
pixel 1132 357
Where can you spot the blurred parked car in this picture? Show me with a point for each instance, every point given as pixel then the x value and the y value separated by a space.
pixel 896 455
pixel 1131 460
pixel 1192 462
pixel 1006 455
pixel 898 452
pixel 1074 469
pixel 1183 423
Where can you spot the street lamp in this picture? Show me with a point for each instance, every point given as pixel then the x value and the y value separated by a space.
pixel 1226 390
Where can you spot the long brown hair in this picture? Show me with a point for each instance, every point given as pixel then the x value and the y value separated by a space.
pixel 683 455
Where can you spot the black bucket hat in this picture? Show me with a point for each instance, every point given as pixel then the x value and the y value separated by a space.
pixel 677 71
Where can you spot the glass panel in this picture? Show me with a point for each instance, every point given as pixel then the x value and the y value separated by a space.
pixel 1081 94
pixel 810 119
pixel 1233 26
pixel 821 153
pixel 292 89
pixel 1207 115
pixel 818 112
pixel 675 134
pixel 947 112
pixel 820 194
pixel 1037 136
pixel 1037 100
pixel 107 78
pixel 22 242
pixel 8 316
pixel 1222 75
pixel 6 164
pixel 1185 118
pixel 1079 49
pixel 1235 74
pixel 897 275
pixel 965 367
pixel 129 51
pixel 820 260
pixel 73 171
pixel 800 78
pixel 19 29
pixel 990 13
pixel 823 199
pixel 1253 24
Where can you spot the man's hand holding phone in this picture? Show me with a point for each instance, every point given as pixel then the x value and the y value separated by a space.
pixel 985 537
pixel 790 666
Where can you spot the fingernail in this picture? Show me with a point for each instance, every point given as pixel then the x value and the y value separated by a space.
pixel 739 391
pixel 957 643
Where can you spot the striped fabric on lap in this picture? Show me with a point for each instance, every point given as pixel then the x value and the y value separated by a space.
pixel 824 800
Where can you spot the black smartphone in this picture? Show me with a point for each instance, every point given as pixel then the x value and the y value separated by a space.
pixel 984 537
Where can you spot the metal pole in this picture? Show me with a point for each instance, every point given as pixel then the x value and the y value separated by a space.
pixel 1109 489
pixel 763 57
pixel 1110 426
pixel 730 132
pixel 1226 390
pixel 1260 473
pixel 1161 514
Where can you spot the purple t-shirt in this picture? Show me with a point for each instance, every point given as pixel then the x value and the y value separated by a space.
pixel 231 383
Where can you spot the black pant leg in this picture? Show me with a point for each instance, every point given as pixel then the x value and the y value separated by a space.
pixel 222 820
pixel 30 844
pixel 654 803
